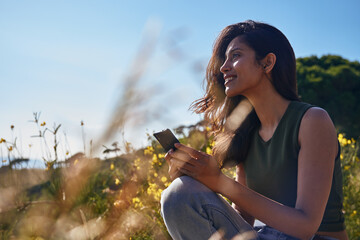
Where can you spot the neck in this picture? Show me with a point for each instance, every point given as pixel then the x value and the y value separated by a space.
pixel 269 106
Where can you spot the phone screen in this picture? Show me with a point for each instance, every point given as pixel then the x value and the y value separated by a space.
pixel 166 139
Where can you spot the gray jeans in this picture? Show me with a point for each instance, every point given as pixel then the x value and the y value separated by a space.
pixel 192 211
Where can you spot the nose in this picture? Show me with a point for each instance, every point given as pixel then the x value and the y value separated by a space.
pixel 225 67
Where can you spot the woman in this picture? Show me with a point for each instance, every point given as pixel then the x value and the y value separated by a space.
pixel 286 152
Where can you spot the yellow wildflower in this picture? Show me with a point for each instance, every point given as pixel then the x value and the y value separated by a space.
pixel 149 150
pixel 154 190
pixel 117 181
pixel 209 150
pixel 155 175
pixel 135 200
pixel 340 136
pixel 347 167
pixel 112 166
pixel 341 156
pixel 164 179
pixel 137 203
pixel 137 163
pixel 353 213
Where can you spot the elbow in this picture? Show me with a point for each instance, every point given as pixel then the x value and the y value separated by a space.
pixel 306 233
pixel 309 227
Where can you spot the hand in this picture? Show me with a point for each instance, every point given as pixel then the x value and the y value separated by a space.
pixel 173 170
pixel 196 164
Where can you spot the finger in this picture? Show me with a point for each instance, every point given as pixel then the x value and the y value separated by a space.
pixel 186 159
pixel 168 155
pixel 183 165
pixel 192 152
pixel 172 165
pixel 186 172
pixel 175 174
pixel 183 156
pixel 173 170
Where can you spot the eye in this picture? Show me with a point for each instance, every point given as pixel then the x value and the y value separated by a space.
pixel 235 55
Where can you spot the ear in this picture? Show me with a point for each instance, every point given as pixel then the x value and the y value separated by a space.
pixel 268 62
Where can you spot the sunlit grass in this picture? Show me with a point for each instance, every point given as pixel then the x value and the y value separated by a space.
pixel 118 197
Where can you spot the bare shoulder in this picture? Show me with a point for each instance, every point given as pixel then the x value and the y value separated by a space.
pixel 316 119
pixel 317 125
pixel 316 114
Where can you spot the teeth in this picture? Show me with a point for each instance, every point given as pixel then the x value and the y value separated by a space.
pixel 228 79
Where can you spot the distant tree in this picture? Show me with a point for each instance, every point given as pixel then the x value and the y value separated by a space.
pixel 332 83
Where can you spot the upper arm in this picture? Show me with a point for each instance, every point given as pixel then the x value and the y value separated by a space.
pixel 318 150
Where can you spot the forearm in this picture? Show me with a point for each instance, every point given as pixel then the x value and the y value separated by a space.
pixel 289 220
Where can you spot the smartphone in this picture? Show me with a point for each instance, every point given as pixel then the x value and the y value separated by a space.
pixel 166 139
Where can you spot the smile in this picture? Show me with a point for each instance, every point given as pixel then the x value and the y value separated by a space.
pixel 229 79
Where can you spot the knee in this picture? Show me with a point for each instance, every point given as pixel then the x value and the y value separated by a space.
pixel 181 193
pixel 177 191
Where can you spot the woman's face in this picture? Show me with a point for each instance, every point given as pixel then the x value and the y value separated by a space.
pixel 241 70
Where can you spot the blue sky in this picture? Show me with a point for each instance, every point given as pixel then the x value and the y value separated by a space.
pixel 68 59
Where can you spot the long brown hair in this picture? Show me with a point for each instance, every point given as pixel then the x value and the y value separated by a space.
pixel 232 144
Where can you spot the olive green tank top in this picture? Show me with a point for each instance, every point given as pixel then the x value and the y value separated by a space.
pixel 271 167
